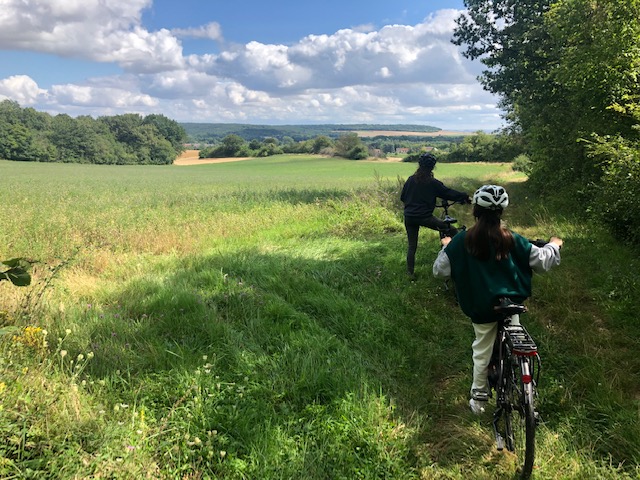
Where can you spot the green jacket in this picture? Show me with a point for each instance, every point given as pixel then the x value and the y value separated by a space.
pixel 479 284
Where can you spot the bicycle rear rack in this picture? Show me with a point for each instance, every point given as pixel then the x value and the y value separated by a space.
pixel 520 342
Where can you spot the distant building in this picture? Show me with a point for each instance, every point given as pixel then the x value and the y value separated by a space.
pixel 402 150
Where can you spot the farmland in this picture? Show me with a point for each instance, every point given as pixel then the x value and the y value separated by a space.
pixel 252 319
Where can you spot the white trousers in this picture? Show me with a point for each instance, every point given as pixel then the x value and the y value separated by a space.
pixel 482 348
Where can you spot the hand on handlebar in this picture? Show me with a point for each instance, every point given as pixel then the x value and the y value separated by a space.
pixel 557 241
pixel 444 241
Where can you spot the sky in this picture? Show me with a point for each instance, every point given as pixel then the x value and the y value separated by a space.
pixel 262 62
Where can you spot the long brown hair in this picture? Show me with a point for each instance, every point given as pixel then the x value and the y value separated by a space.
pixel 487 232
pixel 423 175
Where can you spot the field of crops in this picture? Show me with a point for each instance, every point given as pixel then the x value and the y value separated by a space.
pixel 253 320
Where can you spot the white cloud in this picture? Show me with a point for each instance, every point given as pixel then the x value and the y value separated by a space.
pixel 89 29
pixel 397 74
pixel 21 89
pixel 397 54
pixel 211 31
pixel 101 97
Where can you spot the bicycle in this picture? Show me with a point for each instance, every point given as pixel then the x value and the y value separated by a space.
pixel 514 373
pixel 450 230
pixel 448 219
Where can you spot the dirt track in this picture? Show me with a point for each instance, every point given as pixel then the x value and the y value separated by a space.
pixel 190 157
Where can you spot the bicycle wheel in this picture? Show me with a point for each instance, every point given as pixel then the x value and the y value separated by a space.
pixel 520 416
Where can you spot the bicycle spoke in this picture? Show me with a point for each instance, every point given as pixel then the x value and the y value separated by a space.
pixel 521 431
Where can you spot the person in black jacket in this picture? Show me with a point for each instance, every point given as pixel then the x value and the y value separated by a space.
pixel 419 195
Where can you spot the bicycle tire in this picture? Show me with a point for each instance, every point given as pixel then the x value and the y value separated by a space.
pixel 520 419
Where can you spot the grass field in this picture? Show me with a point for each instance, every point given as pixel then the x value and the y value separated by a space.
pixel 253 320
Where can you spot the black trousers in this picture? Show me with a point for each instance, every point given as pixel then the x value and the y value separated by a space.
pixel 413 224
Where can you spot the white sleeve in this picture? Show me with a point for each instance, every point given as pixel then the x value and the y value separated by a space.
pixel 442 266
pixel 542 259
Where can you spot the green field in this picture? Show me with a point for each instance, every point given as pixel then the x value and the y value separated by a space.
pixel 253 320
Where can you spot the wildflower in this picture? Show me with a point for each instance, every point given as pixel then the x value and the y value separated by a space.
pixel 63 353
pixel 80 357
pixel 223 454
pixel 89 355
pixel 68 331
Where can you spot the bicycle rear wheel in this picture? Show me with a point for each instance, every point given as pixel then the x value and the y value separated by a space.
pixel 520 416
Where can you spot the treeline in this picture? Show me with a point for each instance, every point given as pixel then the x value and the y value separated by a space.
pixel 29 135
pixel 347 145
pixel 215 132
pixel 567 75
pixel 480 147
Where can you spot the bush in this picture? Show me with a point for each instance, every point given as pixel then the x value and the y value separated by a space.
pixel 616 200
pixel 522 163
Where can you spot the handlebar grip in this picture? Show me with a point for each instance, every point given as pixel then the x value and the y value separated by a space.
pixel 538 242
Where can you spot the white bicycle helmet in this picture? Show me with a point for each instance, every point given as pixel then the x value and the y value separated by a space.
pixel 492 197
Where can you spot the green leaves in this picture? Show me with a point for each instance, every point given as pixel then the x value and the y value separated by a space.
pixel 16 271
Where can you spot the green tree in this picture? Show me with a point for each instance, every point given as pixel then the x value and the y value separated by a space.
pixel 231 145
pixel 560 69
pixel 349 145
pixel 320 143
pixel 169 129
pixel 567 74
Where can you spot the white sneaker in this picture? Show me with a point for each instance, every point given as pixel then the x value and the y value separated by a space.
pixel 477 406
pixel 478 402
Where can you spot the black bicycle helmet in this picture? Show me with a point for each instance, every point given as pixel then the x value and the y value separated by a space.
pixel 427 160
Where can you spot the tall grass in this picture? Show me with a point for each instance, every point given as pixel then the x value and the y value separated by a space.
pixel 253 320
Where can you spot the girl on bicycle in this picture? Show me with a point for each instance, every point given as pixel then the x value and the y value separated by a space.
pixel 419 195
pixel 488 262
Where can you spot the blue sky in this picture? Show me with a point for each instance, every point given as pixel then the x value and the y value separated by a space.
pixel 244 61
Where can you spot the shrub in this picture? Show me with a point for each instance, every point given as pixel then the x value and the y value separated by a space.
pixel 522 163
pixel 617 193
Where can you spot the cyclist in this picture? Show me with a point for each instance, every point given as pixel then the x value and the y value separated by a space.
pixel 419 195
pixel 488 262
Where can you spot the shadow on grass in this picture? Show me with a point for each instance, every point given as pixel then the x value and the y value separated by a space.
pixel 298 335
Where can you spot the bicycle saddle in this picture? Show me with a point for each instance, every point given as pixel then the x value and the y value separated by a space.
pixel 508 307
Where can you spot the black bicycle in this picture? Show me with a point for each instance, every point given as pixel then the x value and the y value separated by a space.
pixel 450 230
pixel 514 372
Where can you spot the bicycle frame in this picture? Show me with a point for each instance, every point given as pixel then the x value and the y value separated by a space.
pixel 445 217
pixel 516 386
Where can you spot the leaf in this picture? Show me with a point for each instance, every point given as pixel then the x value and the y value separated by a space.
pixel 17 273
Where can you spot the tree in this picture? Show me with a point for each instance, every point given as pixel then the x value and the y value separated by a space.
pixel 231 145
pixel 560 68
pixel 320 143
pixel 350 146
pixel 567 73
pixel 169 130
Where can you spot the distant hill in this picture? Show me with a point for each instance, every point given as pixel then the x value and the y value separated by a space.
pixel 207 132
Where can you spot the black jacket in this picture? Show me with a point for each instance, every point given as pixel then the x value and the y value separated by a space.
pixel 420 198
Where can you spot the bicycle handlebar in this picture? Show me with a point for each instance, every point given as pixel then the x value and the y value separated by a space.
pixel 447 203
pixel 539 242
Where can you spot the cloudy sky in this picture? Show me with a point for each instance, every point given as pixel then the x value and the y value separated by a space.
pixel 244 61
